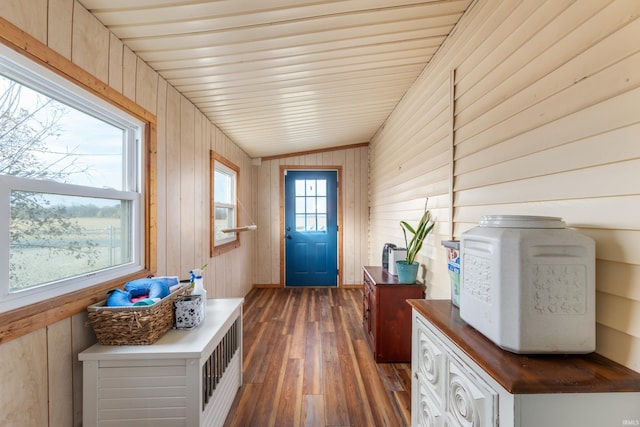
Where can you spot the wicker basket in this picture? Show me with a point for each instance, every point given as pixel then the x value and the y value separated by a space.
pixel 139 325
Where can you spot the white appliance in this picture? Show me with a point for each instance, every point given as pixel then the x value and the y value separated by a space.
pixel 528 284
pixel 396 254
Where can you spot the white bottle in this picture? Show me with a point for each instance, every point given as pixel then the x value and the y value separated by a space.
pixel 198 289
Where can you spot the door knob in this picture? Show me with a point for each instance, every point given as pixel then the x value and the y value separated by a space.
pixel 288 236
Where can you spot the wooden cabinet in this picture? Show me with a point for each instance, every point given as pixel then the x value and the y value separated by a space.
pixel 187 378
pixel 386 316
pixel 461 378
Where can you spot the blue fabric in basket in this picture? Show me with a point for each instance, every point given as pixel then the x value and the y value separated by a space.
pixel 153 287
pixel 119 298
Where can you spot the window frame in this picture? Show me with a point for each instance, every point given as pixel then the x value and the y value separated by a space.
pixel 44 82
pixel 229 244
pixel 23 320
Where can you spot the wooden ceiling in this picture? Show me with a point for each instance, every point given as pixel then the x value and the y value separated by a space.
pixel 284 76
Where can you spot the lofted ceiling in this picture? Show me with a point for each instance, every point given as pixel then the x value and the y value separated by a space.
pixel 285 76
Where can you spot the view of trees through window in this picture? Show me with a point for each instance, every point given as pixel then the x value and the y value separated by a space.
pixel 58 161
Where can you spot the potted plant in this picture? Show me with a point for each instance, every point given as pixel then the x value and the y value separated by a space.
pixel 408 269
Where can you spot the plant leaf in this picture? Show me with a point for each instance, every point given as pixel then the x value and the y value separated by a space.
pixel 413 246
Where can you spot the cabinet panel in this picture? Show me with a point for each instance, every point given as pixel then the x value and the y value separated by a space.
pixel 469 403
pixel 447 391
pixel 430 362
pixel 428 412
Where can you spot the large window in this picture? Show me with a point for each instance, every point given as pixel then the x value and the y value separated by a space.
pixel 71 210
pixel 224 206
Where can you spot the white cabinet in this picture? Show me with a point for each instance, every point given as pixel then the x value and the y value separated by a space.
pixel 187 378
pixel 460 378
pixel 448 392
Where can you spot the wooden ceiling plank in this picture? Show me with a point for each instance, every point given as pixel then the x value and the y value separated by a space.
pixel 279 76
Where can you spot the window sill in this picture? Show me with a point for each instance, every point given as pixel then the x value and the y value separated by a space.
pixel 227 247
pixel 22 321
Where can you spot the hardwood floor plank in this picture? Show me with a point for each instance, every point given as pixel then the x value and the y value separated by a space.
pixel 326 320
pixel 383 410
pixel 307 362
pixel 313 411
pixel 298 343
pixel 241 411
pixel 256 370
pixel 358 405
pixel 314 305
pixel 287 313
pixel 266 409
pixel 336 411
pixel 402 402
pixel 312 361
pixel 344 339
pixel 253 336
pixel 290 406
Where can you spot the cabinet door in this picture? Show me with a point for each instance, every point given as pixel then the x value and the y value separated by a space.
pixel 470 402
pixel 427 414
pixel 428 366
pixel 445 390
pixel 430 361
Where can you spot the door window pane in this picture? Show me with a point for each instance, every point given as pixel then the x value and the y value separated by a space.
pixel 321 205
pixel 311 187
pixel 300 222
pixel 322 223
pixel 311 204
pixel 311 223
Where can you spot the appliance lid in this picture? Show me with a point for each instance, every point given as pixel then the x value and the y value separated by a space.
pixel 521 221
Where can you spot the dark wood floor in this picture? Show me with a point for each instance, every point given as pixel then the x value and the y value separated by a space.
pixel 306 363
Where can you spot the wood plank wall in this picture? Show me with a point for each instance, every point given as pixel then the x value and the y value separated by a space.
pixel 354 164
pixel 40 377
pixel 546 118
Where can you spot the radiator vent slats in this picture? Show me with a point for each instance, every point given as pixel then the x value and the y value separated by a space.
pixel 218 361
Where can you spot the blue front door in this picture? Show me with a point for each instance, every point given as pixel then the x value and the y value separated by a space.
pixel 311 228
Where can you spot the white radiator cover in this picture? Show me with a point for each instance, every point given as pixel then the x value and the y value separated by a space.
pixel 187 378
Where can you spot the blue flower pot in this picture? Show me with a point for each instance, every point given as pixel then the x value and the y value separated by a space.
pixel 407 273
